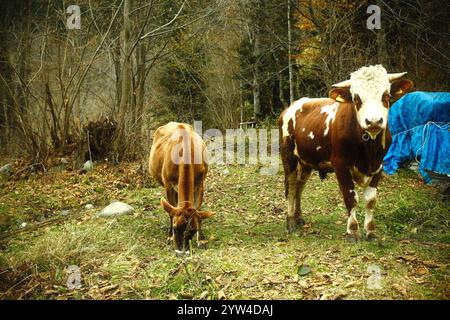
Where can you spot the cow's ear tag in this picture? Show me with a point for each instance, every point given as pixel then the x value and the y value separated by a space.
pixel 339 99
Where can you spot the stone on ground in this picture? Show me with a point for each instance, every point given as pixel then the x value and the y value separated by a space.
pixel 116 209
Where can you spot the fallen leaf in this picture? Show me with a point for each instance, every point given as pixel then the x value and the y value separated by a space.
pixel 400 288
pixel 407 258
pixel 221 295
pixel 432 264
pixel 422 271
pixel 219 279
pixel 350 284
pixel 108 288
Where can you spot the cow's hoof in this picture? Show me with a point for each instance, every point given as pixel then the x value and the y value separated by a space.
pixel 291 225
pixel 300 222
pixel 352 237
pixel 291 228
pixel 181 254
pixel 169 240
pixel 371 237
pixel 202 244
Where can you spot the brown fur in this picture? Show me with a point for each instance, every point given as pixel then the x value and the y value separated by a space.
pixel 183 182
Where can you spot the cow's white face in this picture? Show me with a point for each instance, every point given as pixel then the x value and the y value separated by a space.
pixel 370 90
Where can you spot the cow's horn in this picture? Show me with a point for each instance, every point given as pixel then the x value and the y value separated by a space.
pixel 395 76
pixel 343 84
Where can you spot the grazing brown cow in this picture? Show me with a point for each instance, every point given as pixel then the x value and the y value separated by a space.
pixel 178 162
pixel 346 133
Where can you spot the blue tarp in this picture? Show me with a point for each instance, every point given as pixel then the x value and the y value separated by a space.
pixel 419 124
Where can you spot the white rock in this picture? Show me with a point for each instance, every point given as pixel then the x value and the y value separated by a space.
pixel 64 161
pixel 88 166
pixel 23 225
pixel 89 206
pixel 226 172
pixel 116 209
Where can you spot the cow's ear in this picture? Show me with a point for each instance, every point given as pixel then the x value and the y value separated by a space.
pixel 204 214
pixel 340 94
pixel 168 207
pixel 400 88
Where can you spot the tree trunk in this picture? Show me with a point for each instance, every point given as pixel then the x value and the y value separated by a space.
pixel 291 84
pixel 119 138
pixel 256 87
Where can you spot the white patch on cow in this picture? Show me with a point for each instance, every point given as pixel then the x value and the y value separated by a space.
pixel 368 218
pixel 331 115
pixel 351 220
pixel 318 148
pixel 369 83
pixel 290 114
pixel 370 193
pixel 355 194
pixel 311 135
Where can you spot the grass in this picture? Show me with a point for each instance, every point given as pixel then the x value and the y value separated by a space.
pixel 249 255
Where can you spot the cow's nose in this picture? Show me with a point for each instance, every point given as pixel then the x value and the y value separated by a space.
pixel 374 122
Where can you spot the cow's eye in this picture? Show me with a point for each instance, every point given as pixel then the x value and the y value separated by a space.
pixel 357 101
pixel 386 99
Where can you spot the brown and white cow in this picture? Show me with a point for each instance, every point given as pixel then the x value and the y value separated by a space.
pixel 346 133
pixel 178 162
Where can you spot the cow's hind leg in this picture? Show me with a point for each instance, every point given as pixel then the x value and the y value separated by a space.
pixel 350 195
pixel 291 195
pixel 303 175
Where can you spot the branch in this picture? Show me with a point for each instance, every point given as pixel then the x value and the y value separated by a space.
pixel 152 33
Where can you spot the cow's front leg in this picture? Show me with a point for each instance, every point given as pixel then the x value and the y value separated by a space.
pixel 170 235
pixel 351 201
pixel 172 197
pixel 370 198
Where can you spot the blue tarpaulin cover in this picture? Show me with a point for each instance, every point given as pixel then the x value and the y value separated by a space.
pixel 419 124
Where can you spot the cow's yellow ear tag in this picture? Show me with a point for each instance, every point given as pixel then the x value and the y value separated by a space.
pixel 340 99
